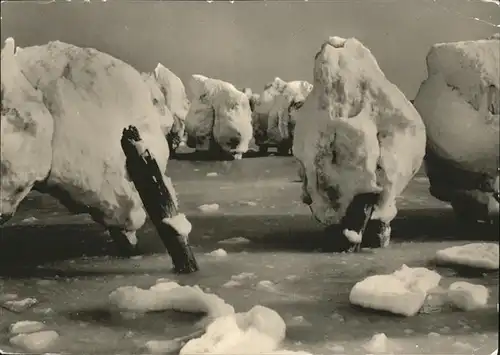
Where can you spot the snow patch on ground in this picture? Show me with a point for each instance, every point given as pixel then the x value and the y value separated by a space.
pixel 218 253
pixel 467 296
pixel 169 295
pixel 26 326
pixel 380 344
pixel 258 331
pixel 266 285
pixel 235 240
pixel 209 208
pixel 35 342
pixel 20 305
pixel 478 255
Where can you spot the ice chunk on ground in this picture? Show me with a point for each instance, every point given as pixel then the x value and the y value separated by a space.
pixel 35 342
pixel 20 305
pixel 169 295
pixel 26 326
pixel 479 255
pixel 380 344
pixel 243 276
pixel 209 208
pixel 419 278
pixel 366 118
pixel 336 349
pixel 212 174
pixel 30 220
pixel 402 292
pixel 170 346
pixel 218 253
pixel 467 296
pixel 266 285
pixel 249 203
pixel 231 284
pixel 258 331
pixel 235 240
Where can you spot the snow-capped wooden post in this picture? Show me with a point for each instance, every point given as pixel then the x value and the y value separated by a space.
pixel 159 203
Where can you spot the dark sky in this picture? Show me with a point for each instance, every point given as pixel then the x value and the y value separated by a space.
pixel 250 42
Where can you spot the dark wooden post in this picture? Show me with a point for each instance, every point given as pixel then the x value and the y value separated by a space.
pixel 144 172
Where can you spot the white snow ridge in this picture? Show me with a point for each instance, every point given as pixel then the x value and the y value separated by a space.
pixel 258 331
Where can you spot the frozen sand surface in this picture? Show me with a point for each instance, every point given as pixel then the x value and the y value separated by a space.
pixel 318 290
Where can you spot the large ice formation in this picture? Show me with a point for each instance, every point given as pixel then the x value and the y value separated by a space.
pixel 460 105
pixel 355 135
pixel 219 118
pixel 63 112
pixel 275 111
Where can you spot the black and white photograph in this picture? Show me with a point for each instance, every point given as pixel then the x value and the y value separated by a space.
pixel 245 177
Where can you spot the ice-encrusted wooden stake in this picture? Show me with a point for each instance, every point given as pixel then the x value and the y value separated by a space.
pixel 144 172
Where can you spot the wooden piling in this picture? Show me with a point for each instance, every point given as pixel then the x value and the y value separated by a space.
pixel 159 203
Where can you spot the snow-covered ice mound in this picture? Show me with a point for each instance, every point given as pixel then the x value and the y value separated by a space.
pixel 169 93
pixel 169 296
pixel 274 116
pixel 175 96
pixel 402 292
pixel 355 134
pixel 26 134
pixel 476 255
pixel 460 105
pixel 219 116
pixel 159 101
pixel 73 144
pixel 252 97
